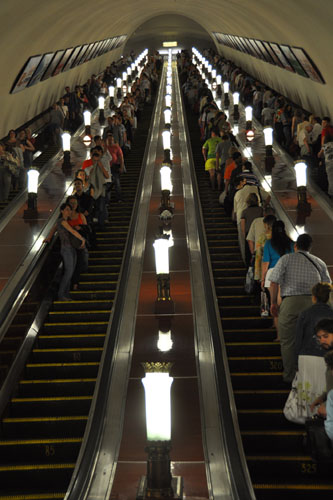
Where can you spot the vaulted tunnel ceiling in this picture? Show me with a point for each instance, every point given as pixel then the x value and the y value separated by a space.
pixel 40 26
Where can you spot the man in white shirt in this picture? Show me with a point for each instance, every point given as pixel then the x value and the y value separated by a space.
pixel 242 193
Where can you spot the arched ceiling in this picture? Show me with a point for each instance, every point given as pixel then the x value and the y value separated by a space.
pixel 40 26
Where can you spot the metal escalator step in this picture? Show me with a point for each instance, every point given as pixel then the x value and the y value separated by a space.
pixel 57 387
pixel 39 450
pixel 22 478
pixel 50 406
pixel 35 496
pixel 260 398
pixel 76 341
pixel 44 427
pixel 40 370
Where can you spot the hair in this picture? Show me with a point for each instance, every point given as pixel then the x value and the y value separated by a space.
pixel 252 200
pixel 97 137
pixel 327 119
pixel 214 131
pixel 77 179
pixel 321 291
pixel 63 206
pixel 98 148
pixel 304 242
pixel 329 359
pixel 325 324
pixel 280 241
pixel 225 137
pixel 269 220
pixel 236 155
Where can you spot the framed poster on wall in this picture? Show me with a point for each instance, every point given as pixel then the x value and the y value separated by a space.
pixel 271 52
pixel 265 55
pixel 25 74
pixel 71 59
pixel 279 54
pixel 293 61
pixel 61 64
pixel 82 55
pixel 42 67
pixel 53 65
pixel 89 52
pixel 308 65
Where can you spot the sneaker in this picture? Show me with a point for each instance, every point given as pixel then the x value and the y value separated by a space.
pixel 264 314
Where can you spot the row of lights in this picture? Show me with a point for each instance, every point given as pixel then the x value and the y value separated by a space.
pixel 214 81
pixel 157 381
pixel 123 87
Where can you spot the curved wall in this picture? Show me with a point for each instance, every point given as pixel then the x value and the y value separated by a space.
pixel 40 26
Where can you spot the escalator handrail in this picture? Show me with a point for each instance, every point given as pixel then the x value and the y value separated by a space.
pixel 241 483
pixel 81 478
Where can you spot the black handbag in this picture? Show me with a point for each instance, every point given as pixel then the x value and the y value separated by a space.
pixel 317 442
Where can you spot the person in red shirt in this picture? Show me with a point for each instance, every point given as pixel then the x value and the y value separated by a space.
pixel 88 163
pixel 326 130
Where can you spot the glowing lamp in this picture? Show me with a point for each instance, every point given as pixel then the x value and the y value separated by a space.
pixel 167 116
pixel 33 175
pixel 157 384
pixel 168 89
pixel 124 76
pixel 300 171
pixel 111 91
pixel 101 102
pixel 129 71
pixel 225 87
pixel 31 212
pixel 235 96
pixel 87 118
pixel 248 113
pixel 218 79
pixel 164 343
pixel 161 247
pixel 66 141
pixel 87 140
pixel 166 136
pixel 235 129
pixel 249 135
pixel 169 80
pixel 168 100
pixel 119 83
pixel 268 136
pixel 166 184
pixel 214 73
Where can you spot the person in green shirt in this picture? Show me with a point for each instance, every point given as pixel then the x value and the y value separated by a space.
pixel 209 154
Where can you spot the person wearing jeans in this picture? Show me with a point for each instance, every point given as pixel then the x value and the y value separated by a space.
pixel 67 251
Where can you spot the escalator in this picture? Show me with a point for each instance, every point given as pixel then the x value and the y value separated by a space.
pixel 44 423
pixel 273 446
